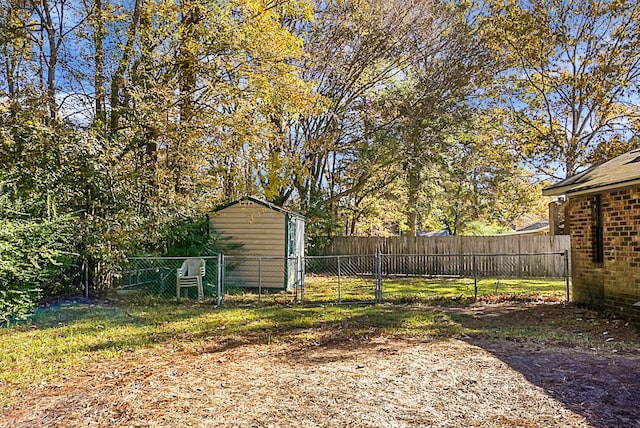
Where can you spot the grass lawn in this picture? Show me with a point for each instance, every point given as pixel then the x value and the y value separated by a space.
pixel 400 289
pixel 63 338
pixel 322 288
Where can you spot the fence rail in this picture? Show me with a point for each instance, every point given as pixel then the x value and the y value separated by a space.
pixel 350 278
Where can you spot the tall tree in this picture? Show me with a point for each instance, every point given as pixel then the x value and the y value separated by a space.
pixel 571 78
pixel 354 49
pixel 438 94
pixel 16 52
pixel 359 54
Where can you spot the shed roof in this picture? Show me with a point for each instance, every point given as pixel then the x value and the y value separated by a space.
pixel 621 171
pixel 259 202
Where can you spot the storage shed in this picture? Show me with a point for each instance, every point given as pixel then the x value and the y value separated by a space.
pixel 272 240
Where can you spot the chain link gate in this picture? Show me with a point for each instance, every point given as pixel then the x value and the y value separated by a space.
pixel 344 279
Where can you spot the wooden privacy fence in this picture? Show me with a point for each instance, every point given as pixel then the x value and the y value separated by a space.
pixel 530 256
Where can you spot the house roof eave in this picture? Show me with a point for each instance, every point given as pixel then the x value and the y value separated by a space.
pixel 621 171
pixel 585 190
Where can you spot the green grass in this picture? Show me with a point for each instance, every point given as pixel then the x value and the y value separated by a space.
pixel 464 287
pixel 325 288
pixel 361 288
pixel 62 339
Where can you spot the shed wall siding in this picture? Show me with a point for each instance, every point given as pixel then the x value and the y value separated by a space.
pixel 615 283
pixel 262 232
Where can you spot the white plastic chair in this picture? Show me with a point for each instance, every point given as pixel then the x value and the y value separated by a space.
pixel 189 275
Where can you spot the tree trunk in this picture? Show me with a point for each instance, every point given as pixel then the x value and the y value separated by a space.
pixel 413 181
pixel 52 62
pixel 117 80
pixel 98 40
pixel 187 60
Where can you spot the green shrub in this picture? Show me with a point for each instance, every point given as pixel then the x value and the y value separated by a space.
pixel 191 237
pixel 16 305
pixel 35 262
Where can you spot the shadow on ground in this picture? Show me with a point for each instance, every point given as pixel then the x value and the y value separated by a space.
pixel 581 358
pixel 584 360
pixel 602 388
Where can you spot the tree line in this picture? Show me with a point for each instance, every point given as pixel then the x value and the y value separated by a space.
pixel 123 122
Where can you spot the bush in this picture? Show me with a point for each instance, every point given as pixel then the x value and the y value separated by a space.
pixel 191 237
pixel 35 263
pixel 15 305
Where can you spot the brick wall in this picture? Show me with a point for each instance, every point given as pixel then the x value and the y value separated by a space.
pixel 587 276
pixel 621 211
pixel 613 284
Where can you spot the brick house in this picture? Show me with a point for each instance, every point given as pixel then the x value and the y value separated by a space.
pixel 603 219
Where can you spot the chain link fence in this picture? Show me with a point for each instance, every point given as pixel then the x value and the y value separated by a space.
pixel 156 278
pixel 235 279
pixel 246 279
pixel 425 277
pixel 344 279
pixel 412 277
pixel 341 279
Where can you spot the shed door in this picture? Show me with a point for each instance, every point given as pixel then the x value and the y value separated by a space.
pixel 295 236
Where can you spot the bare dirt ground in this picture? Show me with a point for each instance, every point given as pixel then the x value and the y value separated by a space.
pixel 374 382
